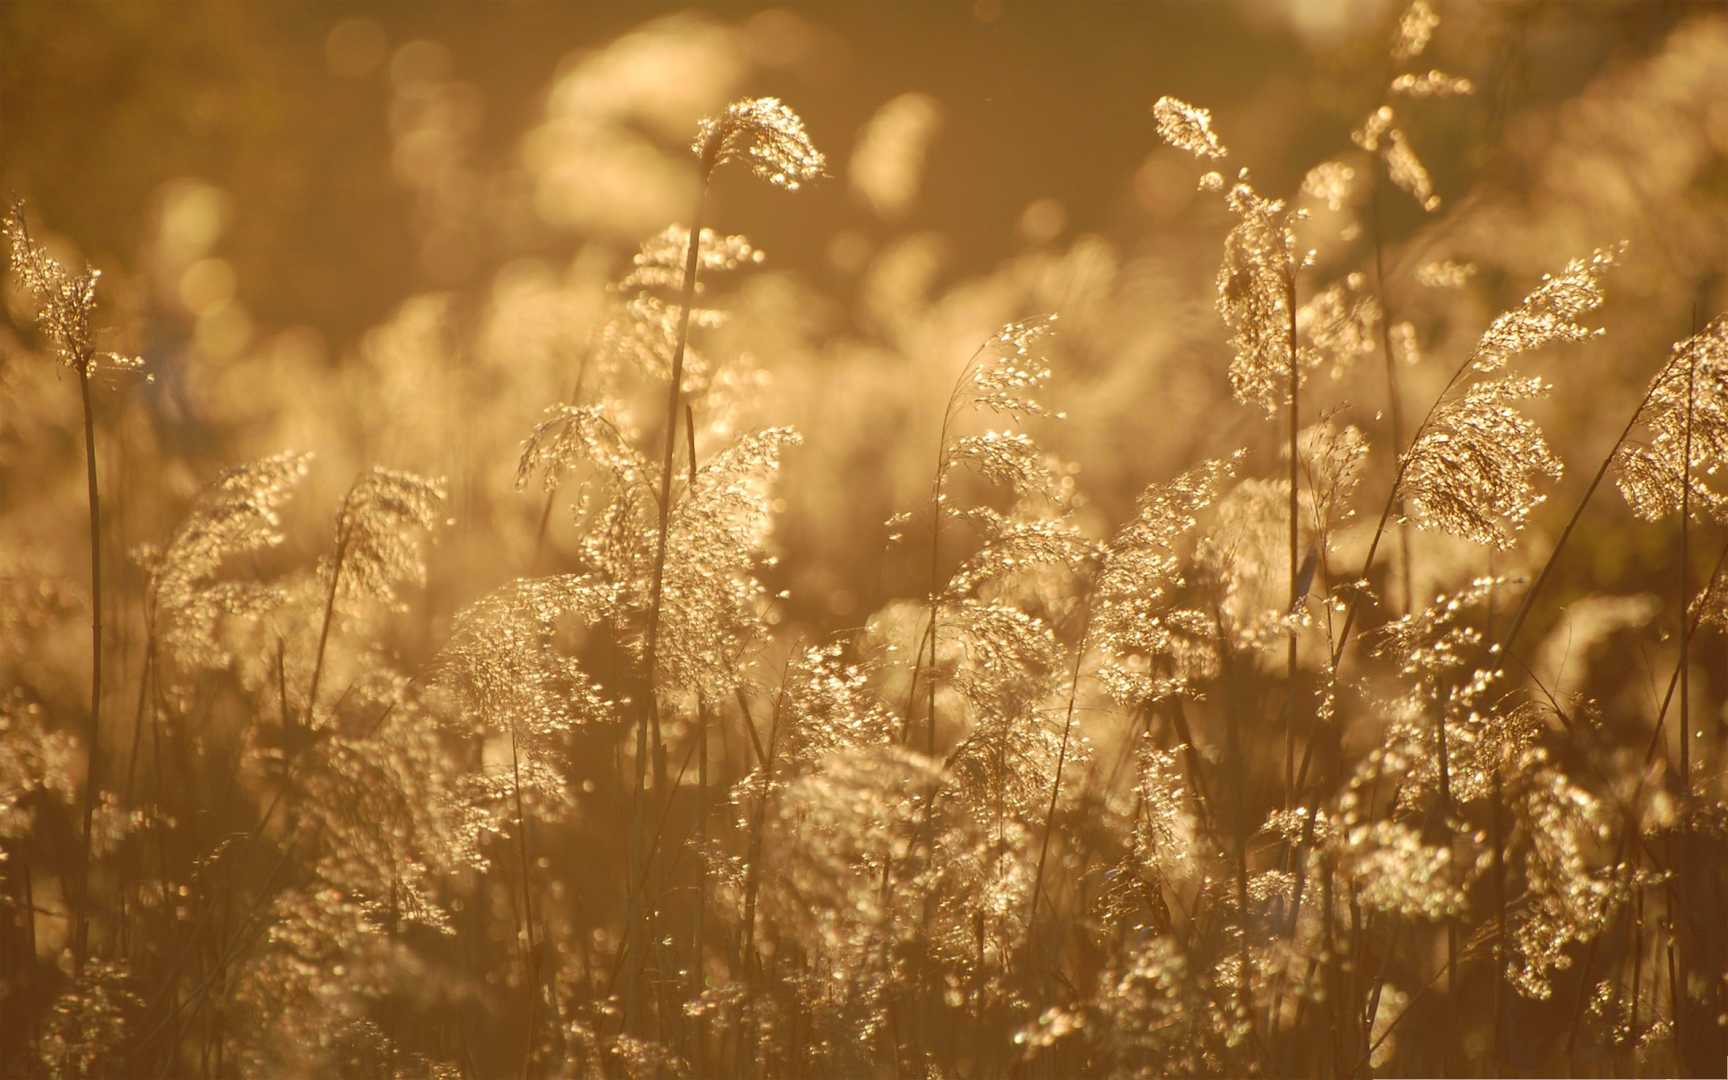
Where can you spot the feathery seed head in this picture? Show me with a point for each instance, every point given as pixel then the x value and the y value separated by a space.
pixel 1254 286
pixel 377 531
pixel 768 135
pixel 1415 30
pixel 1470 471
pixel 237 515
pixel 66 301
pixel 1187 127
pixel 1551 312
pixel 1688 406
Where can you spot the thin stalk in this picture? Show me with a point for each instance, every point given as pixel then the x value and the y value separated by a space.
pixel 1333 977
pixel 1681 860
pixel 1686 589
pixel 1295 553
pixel 1445 811
pixel 93 775
pixel 1386 511
pixel 642 883
pixel 935 578
pixel 1394 402
pixel 1637 931
pixel 329 613
pixel 699 939
pixel 674 398
pixel 552 493
pixel 1233 745
pixel 702 718
pixel 1531 593
pixel 649 720
pixel 758 825
pixel 531 961
pixel 1055 790
pixel 1409 1007
pixel 935 595
pixel 144 672
pixel 1498 827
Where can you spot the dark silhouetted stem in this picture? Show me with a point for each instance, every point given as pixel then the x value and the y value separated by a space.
pixel 93 738
pixel 649 720
pixel 1055 790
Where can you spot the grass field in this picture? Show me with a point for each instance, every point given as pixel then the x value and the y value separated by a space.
pixel 1250 600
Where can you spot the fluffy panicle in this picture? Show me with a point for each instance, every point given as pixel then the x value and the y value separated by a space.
pixel 1491 742
pixel 293 1019
pixel 1688 404
pixel 1254 292
pixel 87 1028
pixel 1381 134
pixel 1244 558
pixel 1156 641
pixel 828 706
pixel 1018 544
pixel 504 665
pixel 1439 642
pixel 658 265
pixel 1006 656
pixel 1332 457
pixel 639 333
pixel 36 766
pixel 1330 182
pixel 1550 313
pixel 1004 377
pixel 66 301
pixel 1445 274
pixel 1425 84
pixel 1011 369
pixel 378 533
pixel 714 604
pixel 1009 458
pixel 832 833
pixel 1470 472
pixel 1163 846
pixel 1155 1011
pixel 1569 893
pixel 391 818
pixel 1415 30
pixel 572 436
pixel 238 515
pixel 1396 872
pixel 1187 127
pixel 1408 172
pixel 765 133
pixel 1341 323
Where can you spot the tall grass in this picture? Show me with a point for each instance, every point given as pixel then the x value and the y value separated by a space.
pixel 1040 813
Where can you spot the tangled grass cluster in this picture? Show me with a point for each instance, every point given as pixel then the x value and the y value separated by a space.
pixel 1207 791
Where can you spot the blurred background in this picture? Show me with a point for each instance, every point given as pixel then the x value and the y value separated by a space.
pixel 383 232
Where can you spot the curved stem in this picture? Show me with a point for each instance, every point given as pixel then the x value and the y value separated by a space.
pixel 935 594
pixel 649 720
pixel 93 775
pixel 1386 510
pixel 329 617
pixel 1394 403
pixel 531 957
pixel 552 493
pixel 1055 788
pixel 1295 552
